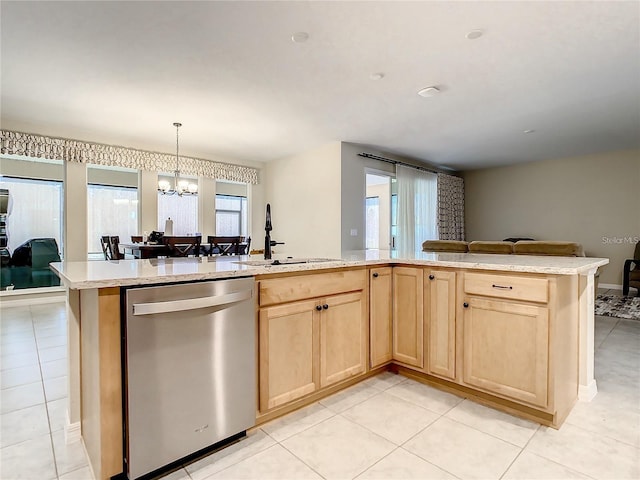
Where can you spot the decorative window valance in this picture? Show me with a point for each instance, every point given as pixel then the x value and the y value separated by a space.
pixel 450 207
pixel 40 146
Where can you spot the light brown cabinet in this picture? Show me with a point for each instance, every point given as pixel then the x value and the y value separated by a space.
pixel 408 323
pixel 288 352
pixel 343 337
pixel 506 349
pixel 440 322
pixel 307 345
pixel 380 315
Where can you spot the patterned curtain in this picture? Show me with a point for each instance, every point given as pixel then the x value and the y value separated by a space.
pixel 39 146
pixel 450 207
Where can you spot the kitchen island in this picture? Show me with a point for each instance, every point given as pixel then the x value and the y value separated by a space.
pixel 436 317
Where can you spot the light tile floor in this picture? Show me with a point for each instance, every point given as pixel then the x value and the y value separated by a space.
pixel 387 427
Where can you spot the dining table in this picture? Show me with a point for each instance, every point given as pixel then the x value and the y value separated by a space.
pixel 145 250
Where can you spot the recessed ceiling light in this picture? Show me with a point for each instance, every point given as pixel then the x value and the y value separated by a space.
pixel 299 37
pixel 473 34
pixel 376 76
pixel 529 131
pixel 429 92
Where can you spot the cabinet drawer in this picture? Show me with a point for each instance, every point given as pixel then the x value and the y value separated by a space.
pixel 289 289
pixel 507 286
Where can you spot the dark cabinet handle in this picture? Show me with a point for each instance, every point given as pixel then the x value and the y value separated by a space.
pixel 325 306
pixel 431 277
pixel 375 275
pixel 465 305
pixel 502 287
pixel 318 307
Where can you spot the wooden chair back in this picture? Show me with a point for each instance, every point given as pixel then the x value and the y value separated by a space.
pixel 183 246
pixel 136 238
pixel 110 247
pixel 228 245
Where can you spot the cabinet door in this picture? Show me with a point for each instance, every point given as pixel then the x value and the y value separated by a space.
pixel 506 349
pixel 408 343
pixel 343 337
pixel 380 313
pixel 288 352
pixel 440 288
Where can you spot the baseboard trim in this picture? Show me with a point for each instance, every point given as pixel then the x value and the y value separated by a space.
pixel 72 431
pixel 32 296
pixel 586 393
pixel 611 286
pixel 86 454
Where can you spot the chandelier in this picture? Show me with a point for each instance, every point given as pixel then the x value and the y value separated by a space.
pixel 180 186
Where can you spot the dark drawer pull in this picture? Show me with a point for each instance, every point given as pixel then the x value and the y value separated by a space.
pixel 502 287
pixel 375 275
pixel 318 307
pixel 431 277
pixel 465 305
pixel 325 306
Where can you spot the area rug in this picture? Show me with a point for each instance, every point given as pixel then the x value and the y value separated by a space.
pixel 617 306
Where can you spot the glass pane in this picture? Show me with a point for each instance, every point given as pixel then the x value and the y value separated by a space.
pixel 182 210
pixel 35 210
pixel 226 206
pixel 372 211
pixel 227 223
pixel 111 211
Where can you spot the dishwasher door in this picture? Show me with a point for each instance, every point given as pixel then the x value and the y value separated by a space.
pixel 190 366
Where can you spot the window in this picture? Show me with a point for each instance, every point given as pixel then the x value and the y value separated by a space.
pixel 231 215
pixel 111 211
pixel 183 211
pixel 372 208
pixel 35 210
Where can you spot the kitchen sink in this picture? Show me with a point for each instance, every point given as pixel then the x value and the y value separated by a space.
pixel 284 261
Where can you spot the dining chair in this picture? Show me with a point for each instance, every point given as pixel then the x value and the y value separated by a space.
pixel 136 238
pixel 110 247
pixel 228 245
pixel 183 246
pixel 106 247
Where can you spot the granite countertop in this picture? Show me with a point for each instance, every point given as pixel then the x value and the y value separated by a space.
pixel 117 273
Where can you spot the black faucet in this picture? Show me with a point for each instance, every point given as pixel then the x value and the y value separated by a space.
pixel 268 243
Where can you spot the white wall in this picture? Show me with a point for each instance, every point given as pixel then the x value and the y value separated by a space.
pixel 305 196
pixel 592 199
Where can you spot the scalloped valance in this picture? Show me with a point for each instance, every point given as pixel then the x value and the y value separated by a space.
pixel 40 146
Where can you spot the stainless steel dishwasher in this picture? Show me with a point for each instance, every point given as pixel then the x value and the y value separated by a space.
pixel 190 369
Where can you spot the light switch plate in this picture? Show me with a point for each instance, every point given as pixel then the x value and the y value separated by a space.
pixel 354 232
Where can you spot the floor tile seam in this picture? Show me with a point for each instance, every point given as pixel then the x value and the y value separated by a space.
pixel 606 336
pixel 462 399
pixel 526 447
pixel 637 447
pixel 378 392
pixel 606 436
pixel 303 462
pixel 375 463
pixel 188 464
pixel 333 414
pixel 430 462
pixel 492 435
pixel 522 449
pixel 427 408
pixel 421 430
pixel 377 434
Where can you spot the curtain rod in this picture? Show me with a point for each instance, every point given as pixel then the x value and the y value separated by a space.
pixel 395 162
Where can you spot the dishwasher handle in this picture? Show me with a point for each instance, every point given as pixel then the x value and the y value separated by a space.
pixel 190 303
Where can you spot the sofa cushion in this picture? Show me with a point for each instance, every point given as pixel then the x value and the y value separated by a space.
pixel 491 247
pixel 444 246
pixel 563 249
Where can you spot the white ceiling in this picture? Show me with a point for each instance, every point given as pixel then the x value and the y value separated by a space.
pixel 123 72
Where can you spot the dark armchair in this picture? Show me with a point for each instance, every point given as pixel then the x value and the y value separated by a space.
pixel 631 272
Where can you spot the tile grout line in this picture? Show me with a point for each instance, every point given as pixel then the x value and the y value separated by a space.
pixel 44 394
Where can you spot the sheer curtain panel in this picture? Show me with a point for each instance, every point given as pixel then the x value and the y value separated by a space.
pixel 417 209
